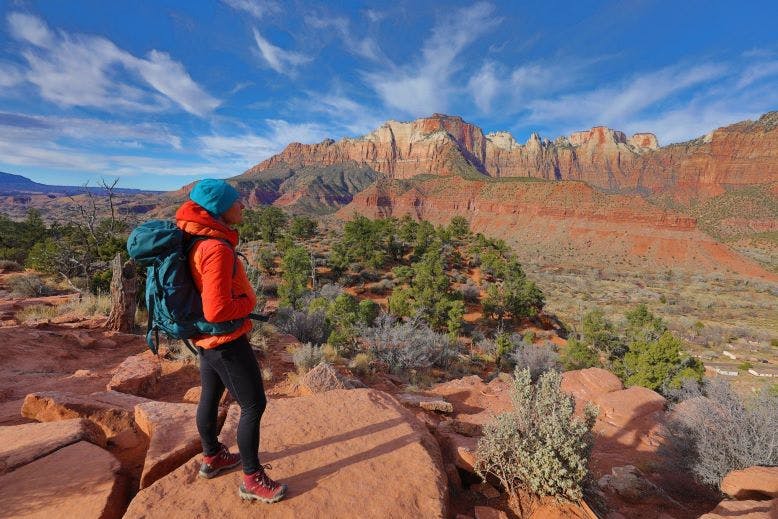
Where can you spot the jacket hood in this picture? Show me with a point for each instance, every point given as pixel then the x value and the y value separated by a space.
pixel 195 220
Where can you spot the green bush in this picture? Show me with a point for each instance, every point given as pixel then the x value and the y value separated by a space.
pixel 540 447
pixel 660 365
pixel 296 265
pixel 578 355
pixel 303 227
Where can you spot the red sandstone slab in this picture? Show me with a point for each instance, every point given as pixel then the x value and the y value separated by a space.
pixel 79 480
pixel 22 444
pixel 343 453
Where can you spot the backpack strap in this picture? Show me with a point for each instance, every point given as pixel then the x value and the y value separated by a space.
pixel 152 329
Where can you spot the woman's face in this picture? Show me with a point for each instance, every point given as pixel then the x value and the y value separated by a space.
pixel 234 215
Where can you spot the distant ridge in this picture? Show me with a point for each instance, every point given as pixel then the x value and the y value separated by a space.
pixel 11 184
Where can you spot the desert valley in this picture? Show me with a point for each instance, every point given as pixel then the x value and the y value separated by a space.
pixel 420 279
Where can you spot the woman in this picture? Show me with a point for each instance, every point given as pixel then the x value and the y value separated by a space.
pixel 226 361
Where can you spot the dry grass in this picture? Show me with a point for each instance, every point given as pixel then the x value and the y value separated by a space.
pixel 36 313
pixel 89 305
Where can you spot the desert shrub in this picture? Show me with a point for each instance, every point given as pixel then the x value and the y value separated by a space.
pixel 10 266
pixel 367 311
pixel 330 291
pixel 329 353
pixel 540 447
pixel 403 346
pixel 459 227
pixel 578 355
pixel 36 312
pixel 485 346
pixel 306 327
pixel 303 227
pixel 714 434
pixel 296 265
pixel 745 366
pixel 382 287
pixel 599 333
pixel 306 357
pixel 514 293
pixel 29 285
pixel 361 364
pixel 536 359
pixel 660 364
pixel 470 293
pixel 456 311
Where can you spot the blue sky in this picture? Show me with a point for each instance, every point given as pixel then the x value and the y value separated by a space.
pixel 161 93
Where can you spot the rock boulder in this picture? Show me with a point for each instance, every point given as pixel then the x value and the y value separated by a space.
pixel 79 480
pixel 137 375
pixel 22 444
pixel 751 483
pixel 356 452
pixel 173 437
pixel 744 509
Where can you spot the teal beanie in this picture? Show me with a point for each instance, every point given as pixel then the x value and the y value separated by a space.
pixel 215 196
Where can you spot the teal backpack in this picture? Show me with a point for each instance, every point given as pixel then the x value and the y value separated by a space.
pixel 173 302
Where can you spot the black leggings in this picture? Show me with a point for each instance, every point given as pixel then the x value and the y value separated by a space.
pixel 234 366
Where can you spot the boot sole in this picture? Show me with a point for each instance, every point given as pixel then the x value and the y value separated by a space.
pixel 209 475
pixel 246 496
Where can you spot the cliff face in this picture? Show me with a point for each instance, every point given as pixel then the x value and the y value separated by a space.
pixel 738 155
pixel 399 150
pixel 560 223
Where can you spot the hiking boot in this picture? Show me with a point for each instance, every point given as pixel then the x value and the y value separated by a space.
pixel 259 487
pixel 218 463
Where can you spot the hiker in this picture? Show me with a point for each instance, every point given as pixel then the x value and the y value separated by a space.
pixel 226 361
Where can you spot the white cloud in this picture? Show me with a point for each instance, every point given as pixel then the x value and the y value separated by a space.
pixel 615 104
pixel 91 71
pixel 280 60
pixel 17 127
pixel 757 72
pixel 31 29
pixel 484 86
pixel 249 149
pixel 425 86
pixel 256 8
pixel 10 75
pixel 365 47
pixel 171 79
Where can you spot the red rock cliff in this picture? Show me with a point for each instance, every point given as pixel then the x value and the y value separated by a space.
pixel 738 155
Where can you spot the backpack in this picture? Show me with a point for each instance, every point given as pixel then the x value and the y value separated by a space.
pixel 174 305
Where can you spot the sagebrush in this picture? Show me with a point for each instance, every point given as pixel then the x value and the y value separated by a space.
pixel 541 447
pixel 718 431
pixel 403 346
pixel 306 357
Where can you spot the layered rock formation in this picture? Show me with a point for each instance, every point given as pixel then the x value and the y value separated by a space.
pixel 560 223
pixel 738 155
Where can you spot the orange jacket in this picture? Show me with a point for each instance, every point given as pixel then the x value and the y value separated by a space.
pixel 212 262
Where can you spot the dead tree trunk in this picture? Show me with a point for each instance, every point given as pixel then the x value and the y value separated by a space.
pixel 124 290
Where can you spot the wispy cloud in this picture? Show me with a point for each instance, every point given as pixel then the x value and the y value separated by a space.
pixel 425 86
pixel 256 8
pixel 756 72
pixel 616 104
pixel 88 132
pixel 366 47
pixel 91 71
pixel 280 60
pixel 251 148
